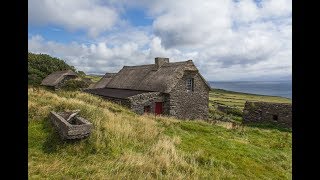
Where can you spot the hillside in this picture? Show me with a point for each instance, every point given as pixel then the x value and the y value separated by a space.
pixel 41 65
pixel 129 146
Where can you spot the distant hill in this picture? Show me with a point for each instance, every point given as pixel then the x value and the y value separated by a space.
pixel 41 65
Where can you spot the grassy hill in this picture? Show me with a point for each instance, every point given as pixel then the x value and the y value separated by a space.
pixel 41 65
pixel 129 146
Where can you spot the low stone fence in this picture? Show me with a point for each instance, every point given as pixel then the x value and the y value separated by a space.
pixel 280 113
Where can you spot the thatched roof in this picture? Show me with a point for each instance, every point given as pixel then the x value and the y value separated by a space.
pixel 56 77
pixel 152 77
pixel 87 80
pixel 114 93
pixel 103 81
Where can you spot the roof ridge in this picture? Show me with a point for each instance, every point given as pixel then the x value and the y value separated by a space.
pixel 165 64
pixel 139 66
pixel 175 63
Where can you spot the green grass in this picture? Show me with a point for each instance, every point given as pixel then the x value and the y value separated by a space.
pixel 94 78
pixel 240 153
pixel 124 145
pixel 237 99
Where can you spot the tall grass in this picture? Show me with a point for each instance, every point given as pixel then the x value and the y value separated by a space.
pixel 132 141
pixel 124 145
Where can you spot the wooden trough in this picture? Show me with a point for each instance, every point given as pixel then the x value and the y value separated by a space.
pixel 69 126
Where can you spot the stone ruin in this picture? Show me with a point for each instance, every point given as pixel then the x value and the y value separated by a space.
pixel 280 113
pixel 70 126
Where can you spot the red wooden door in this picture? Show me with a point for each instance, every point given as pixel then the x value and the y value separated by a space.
pixel 158 109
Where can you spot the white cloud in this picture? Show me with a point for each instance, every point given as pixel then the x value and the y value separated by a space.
pixel 100 57
pixel 139 35
pixel 93 58
pixel 88 15
pixel 277 8
pixel 193 24
pixel 232 39
pixel 227 40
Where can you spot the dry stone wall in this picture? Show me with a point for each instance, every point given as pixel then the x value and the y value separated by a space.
pixel 139 101
pixel 280 113
pixel 123 102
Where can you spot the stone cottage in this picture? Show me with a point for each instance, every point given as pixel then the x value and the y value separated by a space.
pixel 176 89
pixel 56 79
pixel 280 113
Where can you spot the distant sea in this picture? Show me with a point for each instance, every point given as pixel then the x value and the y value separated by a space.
pixel 271 88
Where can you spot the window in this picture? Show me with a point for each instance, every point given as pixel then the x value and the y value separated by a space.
pixel 189 84
pixel 275 117
pixel 146 109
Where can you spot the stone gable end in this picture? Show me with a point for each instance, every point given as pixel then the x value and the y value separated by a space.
pixel 193 104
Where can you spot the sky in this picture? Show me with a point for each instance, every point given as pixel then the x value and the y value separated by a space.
pixel 228 40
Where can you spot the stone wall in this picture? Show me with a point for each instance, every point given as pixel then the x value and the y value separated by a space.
pixel 268 112
pixel 123 102
pixel 139 101
pixel 192 104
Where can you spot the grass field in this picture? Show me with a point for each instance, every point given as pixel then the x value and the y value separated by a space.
pixel 124 145
pixel 236 99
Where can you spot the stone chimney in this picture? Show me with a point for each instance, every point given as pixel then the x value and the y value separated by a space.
pixel 159 61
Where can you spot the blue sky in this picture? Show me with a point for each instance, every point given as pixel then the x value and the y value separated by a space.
pixel 226 39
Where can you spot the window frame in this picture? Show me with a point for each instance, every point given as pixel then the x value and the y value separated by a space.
pixel 190 84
